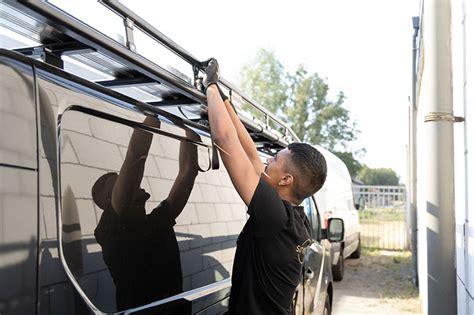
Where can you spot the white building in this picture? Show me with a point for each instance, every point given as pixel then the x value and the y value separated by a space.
pixel 444 192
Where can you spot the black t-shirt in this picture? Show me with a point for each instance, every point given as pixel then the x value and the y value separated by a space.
pixel 268 261
pixel 142 256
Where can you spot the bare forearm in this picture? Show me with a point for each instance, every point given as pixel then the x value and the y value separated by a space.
pixel 236 161
pixel 132 170
pixel 221 123
pixel 184 182
pixel 140 141
pixel 188 159
pixel 244 137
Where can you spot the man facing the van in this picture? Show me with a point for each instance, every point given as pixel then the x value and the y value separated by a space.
pixel 269 255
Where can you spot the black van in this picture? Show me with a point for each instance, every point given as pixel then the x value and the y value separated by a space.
pixel 66 137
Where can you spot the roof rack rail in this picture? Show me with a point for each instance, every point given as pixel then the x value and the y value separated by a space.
pixel 60 34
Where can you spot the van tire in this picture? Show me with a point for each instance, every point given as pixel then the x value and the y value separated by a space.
pixel 338 269
pixel 356 254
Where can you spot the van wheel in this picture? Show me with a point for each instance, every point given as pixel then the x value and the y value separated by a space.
pixel 327 306
pixel 356 254
pixel 338 269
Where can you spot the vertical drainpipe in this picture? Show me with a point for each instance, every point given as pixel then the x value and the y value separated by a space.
pixel 413 152
pixel 438 95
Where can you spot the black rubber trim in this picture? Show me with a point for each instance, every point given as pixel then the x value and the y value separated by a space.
pixel 26 168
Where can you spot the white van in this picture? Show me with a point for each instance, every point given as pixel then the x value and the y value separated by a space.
pixel 336 200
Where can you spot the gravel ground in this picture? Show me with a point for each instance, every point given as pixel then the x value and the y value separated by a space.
pixel 377 283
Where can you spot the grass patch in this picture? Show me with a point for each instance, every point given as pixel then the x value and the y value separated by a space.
pixel 382 214
pixel 397 266
pixel 385 275
pixel 370 251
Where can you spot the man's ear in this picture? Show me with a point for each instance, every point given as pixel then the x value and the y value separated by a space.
pixel 287 179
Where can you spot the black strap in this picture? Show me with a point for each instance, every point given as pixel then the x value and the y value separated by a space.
pixel 199 85
pixel 215 154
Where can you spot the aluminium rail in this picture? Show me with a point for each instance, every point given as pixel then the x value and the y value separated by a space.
pixel 90 38
pixel 129 16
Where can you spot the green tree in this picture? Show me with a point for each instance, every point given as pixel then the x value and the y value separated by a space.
pixel 301 99
pixel 264 80
pixel 379 176
pixel 353 165
pixel 313 116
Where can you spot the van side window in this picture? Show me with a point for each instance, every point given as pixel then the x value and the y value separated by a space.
pixel 313 216
pixel 308 209
pixel 140 223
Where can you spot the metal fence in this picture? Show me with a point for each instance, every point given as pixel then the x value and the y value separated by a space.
pixel 382 216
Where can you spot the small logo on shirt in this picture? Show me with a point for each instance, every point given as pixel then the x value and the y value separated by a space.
pixel 300 250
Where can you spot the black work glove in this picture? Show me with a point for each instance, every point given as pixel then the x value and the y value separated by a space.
pixel 212 73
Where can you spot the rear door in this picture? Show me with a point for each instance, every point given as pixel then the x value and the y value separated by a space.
pixel 312 290
pixel 18 188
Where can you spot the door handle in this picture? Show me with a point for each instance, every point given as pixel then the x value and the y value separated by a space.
pixel 309 274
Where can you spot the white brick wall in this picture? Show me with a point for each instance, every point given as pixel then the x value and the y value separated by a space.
pixel 80 178
pixel 219 230
pixel 94 152
pixel 46 182
pixel 17 119
pixel 212 256
pixel 206 212
pixel 210 193
pixel 196 195
pixel 87 216
pixel 463 69
pixel 183 237
pixel 224 212
pixel 109 131
pixel 200 235
pixel 18 223
pixel 234 227
pixel 17 209
pixel 67 151
pixel 48 209
pixel 160 188
pixel 18 142
pixel 239 212
pixel 188 215
pixel 168 167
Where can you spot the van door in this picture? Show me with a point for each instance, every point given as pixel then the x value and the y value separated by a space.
pixel 18 189
pixel 313 288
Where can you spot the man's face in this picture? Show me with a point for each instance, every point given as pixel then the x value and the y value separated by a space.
pixel 276 167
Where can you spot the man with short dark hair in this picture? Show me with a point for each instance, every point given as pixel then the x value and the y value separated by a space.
pixel 268 260
pixel 140 249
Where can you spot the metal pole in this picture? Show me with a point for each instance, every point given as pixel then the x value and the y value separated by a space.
pixel 413 153
pixel 438 95
pixel 406 192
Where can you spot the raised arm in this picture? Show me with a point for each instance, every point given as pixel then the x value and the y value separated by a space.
pixel 244 137
pixel 241 170
pixel 188 170
pixel 127 186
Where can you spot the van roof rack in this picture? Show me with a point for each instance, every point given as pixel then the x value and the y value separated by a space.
pixel 124 63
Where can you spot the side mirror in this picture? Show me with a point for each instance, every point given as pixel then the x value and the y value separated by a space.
pixel 357 206
pixel 335 231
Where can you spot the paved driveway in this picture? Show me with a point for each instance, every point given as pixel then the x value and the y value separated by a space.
pixel 377 283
